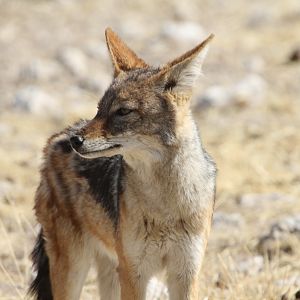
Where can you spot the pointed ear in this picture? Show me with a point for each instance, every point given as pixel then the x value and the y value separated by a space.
pixel 181 74
pixel 123 58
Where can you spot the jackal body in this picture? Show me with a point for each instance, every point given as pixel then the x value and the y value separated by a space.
pixel 130 191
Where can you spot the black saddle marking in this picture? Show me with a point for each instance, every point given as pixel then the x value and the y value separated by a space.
pixel 104 176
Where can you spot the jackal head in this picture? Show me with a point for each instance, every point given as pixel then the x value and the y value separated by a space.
pixel 143 110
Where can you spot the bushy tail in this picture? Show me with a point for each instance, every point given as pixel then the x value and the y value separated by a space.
pixel 40 287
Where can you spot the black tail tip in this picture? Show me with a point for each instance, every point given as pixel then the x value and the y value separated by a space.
pixel 40 287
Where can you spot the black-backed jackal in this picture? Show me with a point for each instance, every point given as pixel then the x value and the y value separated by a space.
pixel 130 191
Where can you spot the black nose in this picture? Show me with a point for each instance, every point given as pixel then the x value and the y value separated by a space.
pixel 76 141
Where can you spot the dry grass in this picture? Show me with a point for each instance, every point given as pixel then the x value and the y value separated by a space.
pixel 256 146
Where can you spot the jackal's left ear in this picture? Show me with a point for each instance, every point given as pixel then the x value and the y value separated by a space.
pixel 123 58
pixel 181 74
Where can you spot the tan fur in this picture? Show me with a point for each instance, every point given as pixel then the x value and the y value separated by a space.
pixel 166 206
pixel 123 58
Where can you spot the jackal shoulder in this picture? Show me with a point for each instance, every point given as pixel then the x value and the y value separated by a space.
pixel 69 182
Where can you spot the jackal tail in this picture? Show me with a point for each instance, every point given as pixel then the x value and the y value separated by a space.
pixel 40 287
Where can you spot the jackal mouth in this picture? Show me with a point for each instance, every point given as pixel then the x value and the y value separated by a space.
pixel 103 148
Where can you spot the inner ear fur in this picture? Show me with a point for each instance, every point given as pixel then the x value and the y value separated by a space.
pixel 123 58
pixel 180 75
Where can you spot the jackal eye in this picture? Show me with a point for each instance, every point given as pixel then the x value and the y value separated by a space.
pixel 123 111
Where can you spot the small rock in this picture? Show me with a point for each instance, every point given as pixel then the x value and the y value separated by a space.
pixel 254 129
pixel 295 55
pixel 251 200
pixel 250 90
pixel 40 70
pixel 289 224
pixel 221 281
pixel 183 31
pixel 74 61
pixel 215 96
pixel 34 100
pixel 222 219
pixel 276 238
pixel 251 265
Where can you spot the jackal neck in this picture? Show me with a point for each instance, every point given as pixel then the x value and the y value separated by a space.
pixel 179 182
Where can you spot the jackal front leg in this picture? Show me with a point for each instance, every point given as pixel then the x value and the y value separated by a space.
pixel 133 281
pixel 184 263
pixel 133 284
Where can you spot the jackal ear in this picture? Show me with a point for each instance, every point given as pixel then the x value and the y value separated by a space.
pixel 123 58
pixel 181 74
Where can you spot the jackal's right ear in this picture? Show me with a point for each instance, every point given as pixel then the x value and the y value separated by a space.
pixel 123 58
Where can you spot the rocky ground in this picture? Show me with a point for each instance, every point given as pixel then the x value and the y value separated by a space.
pixel 54 67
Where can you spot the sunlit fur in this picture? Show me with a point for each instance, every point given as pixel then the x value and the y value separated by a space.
pixel 136 196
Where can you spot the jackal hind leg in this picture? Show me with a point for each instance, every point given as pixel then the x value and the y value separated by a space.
pixel 69 262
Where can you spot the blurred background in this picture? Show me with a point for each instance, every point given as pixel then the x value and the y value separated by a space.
pixel 54 67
